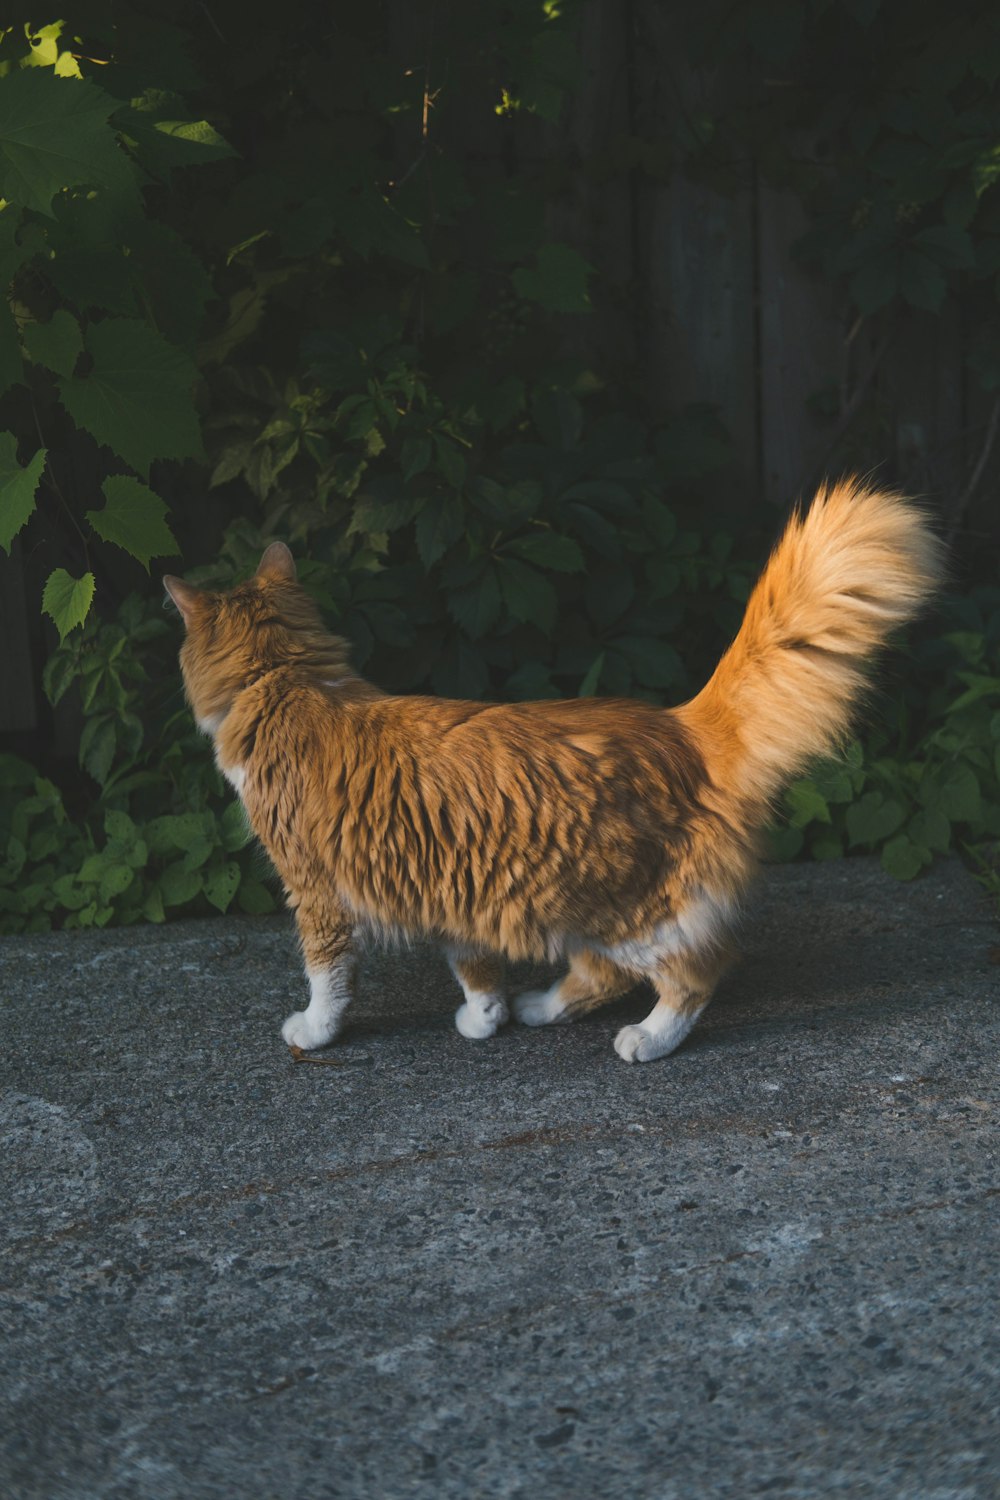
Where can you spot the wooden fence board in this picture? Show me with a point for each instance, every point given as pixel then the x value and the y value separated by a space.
pixel 18 709
pixel 696 257
pixel 801 353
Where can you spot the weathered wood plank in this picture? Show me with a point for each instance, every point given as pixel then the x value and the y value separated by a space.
pixel 801 353
pixel 18 708
pixel 923 387
pixel 695 256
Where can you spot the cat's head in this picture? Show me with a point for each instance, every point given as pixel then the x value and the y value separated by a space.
pixel 233 637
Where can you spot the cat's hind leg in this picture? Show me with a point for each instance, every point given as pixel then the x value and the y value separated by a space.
pixel 326 932
pixel 684 983
pixel 590 981
pixel 481 978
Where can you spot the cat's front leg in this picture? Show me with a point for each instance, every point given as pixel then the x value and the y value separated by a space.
pixel 327 934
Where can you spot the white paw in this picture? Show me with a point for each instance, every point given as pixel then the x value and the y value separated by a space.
pixel 539 1008
pixel 635 1045
pixel 301 1030
pixel 482 1019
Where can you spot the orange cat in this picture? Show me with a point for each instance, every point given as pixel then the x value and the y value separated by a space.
pixel 617 834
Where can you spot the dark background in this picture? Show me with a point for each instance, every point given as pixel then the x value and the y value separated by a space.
pixel 524 324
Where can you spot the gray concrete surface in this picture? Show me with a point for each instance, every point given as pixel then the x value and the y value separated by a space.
pixel 767 1265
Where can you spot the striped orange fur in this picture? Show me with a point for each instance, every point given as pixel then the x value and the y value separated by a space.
pixel 619 835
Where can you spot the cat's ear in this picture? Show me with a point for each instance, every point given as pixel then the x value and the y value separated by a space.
pixel 277 562
pixel 184 595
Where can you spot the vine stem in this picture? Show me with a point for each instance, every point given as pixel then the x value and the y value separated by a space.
pixel 965 498
pixel 56 489
pixel 850 411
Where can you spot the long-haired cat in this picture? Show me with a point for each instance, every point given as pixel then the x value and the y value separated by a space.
pixel 614 833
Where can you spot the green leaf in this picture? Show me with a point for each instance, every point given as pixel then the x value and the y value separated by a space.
pixel 152 906
pixel 133 519
pixel 53 135
pixel 163 140
pixel 221 885
pixel 439 526
pixel 450 462
pixel 415 456
pixel 459 670
pixel 872 819
pixel 505 506
pixel 922 281
pixel 234 830
pixel 198 851
pixel 528 594
pixel 477 606
pixel 373 514
pixel 45 49
pixel 546 549
pixel 18 487
pixel 558 280
pixel 784 843
pixel 949 246
pixel 69 894
pixel 654 664
pixel 176 831
pixel 255 898
pixel 588 687
pixel 530 681
pixel 960 798
pixel 97 747
pixel 806 804
pixel 116 880
pixel 979 687
pixel 826 845
pixel 170 281
pixel 138 397
pixel 15 249
pixel 67 600
pixel 833 781
pixel 120 827
pixel 931 829
pixel 11 363
pixel 609 594
pixel 56 344
pixel 902 858
pixel 178 885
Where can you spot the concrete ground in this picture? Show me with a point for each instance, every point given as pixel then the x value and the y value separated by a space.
pixel 767 1265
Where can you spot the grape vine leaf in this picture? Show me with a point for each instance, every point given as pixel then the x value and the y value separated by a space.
pixel 133 518
pixel 56 344
pixel 138 397
pixel 17 488
pixel 67 600
pixel 54 134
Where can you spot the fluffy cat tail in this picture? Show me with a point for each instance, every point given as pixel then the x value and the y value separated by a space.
pixel 857 564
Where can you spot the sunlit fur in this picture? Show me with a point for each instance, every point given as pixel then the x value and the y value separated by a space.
pixel 615 833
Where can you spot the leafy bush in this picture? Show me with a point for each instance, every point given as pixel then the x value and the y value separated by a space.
pixel 267 288
pixel 98 334
pixel 162 834
pixel 927 782
pixel 164 837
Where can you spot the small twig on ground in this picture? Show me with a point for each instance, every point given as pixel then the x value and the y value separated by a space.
pixel 298 1056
